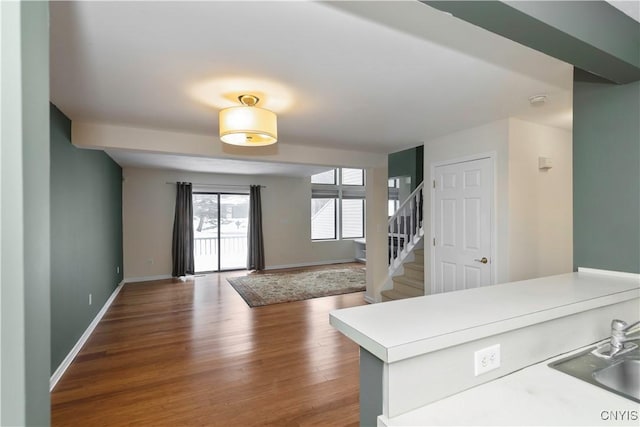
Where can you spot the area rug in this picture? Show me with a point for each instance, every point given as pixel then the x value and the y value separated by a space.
pixel 265 289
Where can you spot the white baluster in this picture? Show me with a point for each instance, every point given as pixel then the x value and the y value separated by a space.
pixel 411 218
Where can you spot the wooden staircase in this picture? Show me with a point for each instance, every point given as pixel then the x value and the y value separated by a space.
pixel 411 283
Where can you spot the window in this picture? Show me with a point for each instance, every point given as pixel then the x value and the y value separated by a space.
pixel 352 176
pixel 328 177
pixel 394 196
pixel 352 219
pixel 323 219
pixel 338 208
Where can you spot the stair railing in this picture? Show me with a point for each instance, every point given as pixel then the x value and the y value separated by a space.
pixel 405 227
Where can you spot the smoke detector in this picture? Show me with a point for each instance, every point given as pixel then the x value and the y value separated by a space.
pixel 537 100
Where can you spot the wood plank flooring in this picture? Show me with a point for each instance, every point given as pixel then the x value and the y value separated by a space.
pixel 171 353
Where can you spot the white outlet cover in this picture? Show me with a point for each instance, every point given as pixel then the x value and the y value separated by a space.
pixel 486 360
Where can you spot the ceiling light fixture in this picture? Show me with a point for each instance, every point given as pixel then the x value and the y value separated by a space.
pixel 248 125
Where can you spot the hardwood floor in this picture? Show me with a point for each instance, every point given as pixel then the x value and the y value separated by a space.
pixel 171 353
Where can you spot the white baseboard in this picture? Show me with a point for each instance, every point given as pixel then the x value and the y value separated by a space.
pixel 147 278
pixel 83 339
pixel 310 264
pixel 621 274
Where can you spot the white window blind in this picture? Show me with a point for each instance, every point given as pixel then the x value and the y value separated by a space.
pixel 338 208
pixel 394 190
pixel 352 218
pixel 392 207
pixel 328 177
pixel 394 196
pixel 352 176
pixel 323 219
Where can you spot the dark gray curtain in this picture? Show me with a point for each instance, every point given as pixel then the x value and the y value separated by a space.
pixel 182 247
pixel 255 259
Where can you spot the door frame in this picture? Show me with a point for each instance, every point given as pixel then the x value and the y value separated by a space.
pixel 491 155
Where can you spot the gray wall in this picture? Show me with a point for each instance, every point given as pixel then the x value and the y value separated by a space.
pixel 86 235
pixel 24 204
pixel 606 174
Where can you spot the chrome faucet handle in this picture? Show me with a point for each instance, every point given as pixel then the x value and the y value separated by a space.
pixel 617 332
pixel 628 327
pixel 619 336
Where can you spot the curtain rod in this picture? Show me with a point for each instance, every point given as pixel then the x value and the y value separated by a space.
pixel 217 185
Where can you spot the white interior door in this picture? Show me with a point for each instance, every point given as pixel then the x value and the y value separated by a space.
pixel 463 200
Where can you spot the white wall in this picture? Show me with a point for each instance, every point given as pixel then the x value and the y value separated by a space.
pixel 148 209
pixel 540 201
pixel 376 232
pixel 489 138
pixel 533 208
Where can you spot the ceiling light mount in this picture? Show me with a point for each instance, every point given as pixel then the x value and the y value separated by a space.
pixel 248 125
pixel 248 100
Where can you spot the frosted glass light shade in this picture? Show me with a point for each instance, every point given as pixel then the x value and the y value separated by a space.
pixel 248 126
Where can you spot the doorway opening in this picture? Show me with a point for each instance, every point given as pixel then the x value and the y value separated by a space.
pixel 220 224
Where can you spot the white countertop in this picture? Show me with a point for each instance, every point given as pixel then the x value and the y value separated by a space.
pixel 536 395
pixel 398 330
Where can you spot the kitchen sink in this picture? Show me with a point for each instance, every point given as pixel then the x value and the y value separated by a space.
pixel 619 374
pixel 623 376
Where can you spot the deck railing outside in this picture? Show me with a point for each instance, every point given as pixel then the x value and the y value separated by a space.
pixel 232 246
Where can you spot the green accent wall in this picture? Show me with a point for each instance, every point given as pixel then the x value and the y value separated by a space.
pixel 592 35
pixel 407 163
pixel 37 230
pixel 606 174
pixel 86 235
pixel 24 214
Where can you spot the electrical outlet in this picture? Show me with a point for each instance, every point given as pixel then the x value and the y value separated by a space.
pixel 90 299
pixel 118 270
pixel 487 359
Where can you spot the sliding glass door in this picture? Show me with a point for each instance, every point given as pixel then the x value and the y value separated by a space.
pixel 234 220
pixel 220 231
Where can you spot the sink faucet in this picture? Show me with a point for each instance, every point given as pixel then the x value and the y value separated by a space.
pixel 619 335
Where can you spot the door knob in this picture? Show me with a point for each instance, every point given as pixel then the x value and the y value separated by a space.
pixel 483 260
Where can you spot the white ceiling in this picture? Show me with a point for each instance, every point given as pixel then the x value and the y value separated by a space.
pixel 373 76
